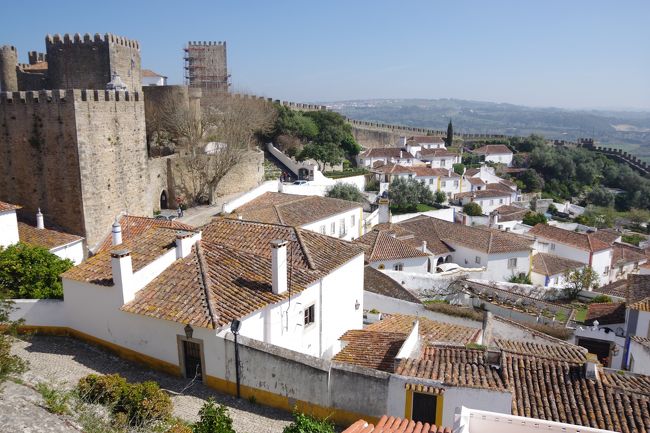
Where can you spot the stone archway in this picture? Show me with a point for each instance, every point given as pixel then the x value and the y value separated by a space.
pixel 448 259
pixel 164 202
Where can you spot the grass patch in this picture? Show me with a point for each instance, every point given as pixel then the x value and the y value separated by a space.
pixel 633 238
pixel 56 401
pixel 420 207
pixel 454 310
pixel 580 315
pixel 345 173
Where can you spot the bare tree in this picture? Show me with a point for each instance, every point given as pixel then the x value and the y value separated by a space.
pixel 212 138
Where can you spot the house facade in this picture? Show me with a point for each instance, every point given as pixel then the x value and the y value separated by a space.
pixel 498 153
pixel 385 155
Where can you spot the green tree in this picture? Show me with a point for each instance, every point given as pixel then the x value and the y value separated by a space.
pixel 440 197
pixel 450 135
pixel 9 364
pixel 308 424
pixel 472 209
pixel 520 278
pixel 600 197
pixel 532 180
pixel 332 128
pixel 31 272
pixel 533 218
pixel 459 168
pixel 345 191
pixel 405 194
pixel 471 159
pixel 322 153
pixel 578 280
pixel 213 419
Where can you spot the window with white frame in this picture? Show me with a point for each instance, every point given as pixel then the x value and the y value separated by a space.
pixel 342 227
pixel 500 201
pixel 443 162
pixel 310 315
pixel 512 263
pixel 491 202
pixel 398 266
pixel 323 230
pixel 606 271
pixel 352 220
pixel 477 260
pixel 431 181
pixel 552 247
pixel 443 183
pixel 333 228
pixel 456 183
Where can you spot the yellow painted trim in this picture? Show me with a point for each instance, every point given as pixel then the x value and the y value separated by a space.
pixel 339 416
pixel 408 407
pixel 439 402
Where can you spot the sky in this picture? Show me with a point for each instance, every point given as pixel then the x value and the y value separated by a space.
pixel 571 54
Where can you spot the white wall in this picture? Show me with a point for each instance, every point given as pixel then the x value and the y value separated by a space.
pixel 8 228
pixel 358 181
pixel 268 186
pixel 352 231
pixel 601 262
pixel 639 358
pixel 545 245
pixel 643 324
pixel 601 334
pixel 154 81
pixel 497 267
pixel 503 158
pixel 428 284
pixel 39 312
pixel 73 251
pixel 489 204
pixel 442 214
pixel 413 264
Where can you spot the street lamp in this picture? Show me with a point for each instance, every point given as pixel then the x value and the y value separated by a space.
pixel 235 325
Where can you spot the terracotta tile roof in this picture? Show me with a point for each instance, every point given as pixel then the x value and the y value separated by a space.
pixel 395 425
pixel 500 187
pixel 430 330
pixel 633 289
pixel 436 153
pixel 510 213
pixel 642 305
pixel 470 172
pixel 36 67
pixel 607 235
pixel 229 276
pixel 438 233
pixel 144 250
pixel 420 139
pixel 607 313
pixel 375 281
pixel 453 366
pixel 476 181
pixel 644 341
pixel 5 207
pixel 292 210
pixel 583 241
pixel 386 152
pixel 508 183
pixel 560 352
pixel 46 238
pixel 375 350
pixel 393 169
pixel 549 264
pixel 493 149
pixel 150 73
pixel 133 226
pixel 623 254
pixel 424 171
pixel 382 245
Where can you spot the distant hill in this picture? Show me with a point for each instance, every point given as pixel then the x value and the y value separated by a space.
pixel 626 129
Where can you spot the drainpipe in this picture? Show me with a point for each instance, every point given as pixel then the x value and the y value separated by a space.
pixel 320 318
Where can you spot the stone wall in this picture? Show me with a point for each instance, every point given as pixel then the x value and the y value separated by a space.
pixel 8 62
pixel 78 155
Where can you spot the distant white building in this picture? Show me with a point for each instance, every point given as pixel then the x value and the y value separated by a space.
pixel 439 157
pixel 499 153
pixel 385 155
pixel 488 199
pixel 151 78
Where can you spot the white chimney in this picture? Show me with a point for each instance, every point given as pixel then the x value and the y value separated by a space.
pixel 122 269
pixel 40 223
pixel 384 211
pixel 591 367
pixel 424 246
pixel 184 242
pixel 116 233
pixel 279 266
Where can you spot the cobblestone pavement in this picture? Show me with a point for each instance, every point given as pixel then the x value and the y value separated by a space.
pixel 63 361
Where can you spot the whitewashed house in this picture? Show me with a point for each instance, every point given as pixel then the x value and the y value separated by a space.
pixel 548 270
pixel 151 78
pixel 501 254
pixel 329 216
pixel 383 250
pixel 586 248
pixel 488 199
pixel 499 153
pixel 417 143
pixel 439 158
pixel 61 244
pixel 385 155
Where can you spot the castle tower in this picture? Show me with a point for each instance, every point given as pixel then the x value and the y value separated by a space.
pixel 8 64
pixel 206 66
pixel 88 62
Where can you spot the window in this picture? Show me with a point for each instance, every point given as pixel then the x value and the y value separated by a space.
pixel 456 183
pixel 431 181
pixel 491 202
pixel 352 220
pixel 310 315
pixel 398 266
pixel 333 228
pixel 606 271
pixel 552 247
pixel 443 183
pixel 512 263
pixel 342 227
pixel 442 163
pixel 477 260
pixel 500 201
pixel 425 408
pixel 323 229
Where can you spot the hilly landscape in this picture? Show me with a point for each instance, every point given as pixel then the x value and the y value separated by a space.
pixel 626 129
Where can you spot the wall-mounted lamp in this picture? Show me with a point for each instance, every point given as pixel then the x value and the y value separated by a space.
pixel 357 304
pixel 189 331
pixel 235 326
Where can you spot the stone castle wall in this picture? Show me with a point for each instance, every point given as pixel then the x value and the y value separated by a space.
pixel 80 155
pixel 8 61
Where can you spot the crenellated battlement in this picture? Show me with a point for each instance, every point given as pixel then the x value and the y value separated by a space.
pixel 86 39
pixel 61 96
pixel 205 43
pixel 7 48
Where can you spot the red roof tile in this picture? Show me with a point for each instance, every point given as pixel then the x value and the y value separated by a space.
pixel 133 226
pixel 395 425
pixel 383 245
pixel 46 238
pixel 549 265
pixel 606 313
pixel 583 241
pixel 386 152
pixel 5 207
pixel 493 149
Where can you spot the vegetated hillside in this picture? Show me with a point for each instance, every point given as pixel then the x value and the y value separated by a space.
pixel 627 129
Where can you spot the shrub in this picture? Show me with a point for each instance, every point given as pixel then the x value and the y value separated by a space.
pixel 56 401
pixel 9 363
pixel 533 218
pixel 143 402
pixel 520 278
pixel 440 197
pixel 345 191
pixel 601 299
pixel 102 389
pixel 473 209
pixel 308 424
pixel 213 419
pixel 372 185
pixel 178 426
pixel 454 310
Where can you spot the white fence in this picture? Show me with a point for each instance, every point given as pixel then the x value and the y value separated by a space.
pixel 39 312
pixel 268 186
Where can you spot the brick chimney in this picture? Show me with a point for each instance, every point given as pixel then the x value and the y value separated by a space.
pixel 279 266
pixel 40 223
pixel 116 233
pixel 122 269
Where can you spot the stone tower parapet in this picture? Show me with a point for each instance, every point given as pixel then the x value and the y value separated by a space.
pixel 8 64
